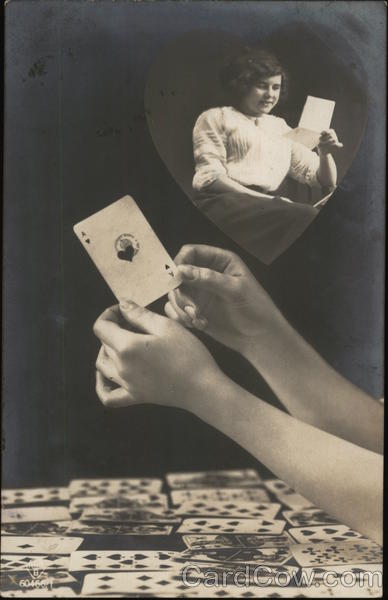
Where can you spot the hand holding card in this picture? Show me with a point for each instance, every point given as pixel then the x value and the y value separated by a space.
pixel 152 359
pixel 127 252
pixel 315 118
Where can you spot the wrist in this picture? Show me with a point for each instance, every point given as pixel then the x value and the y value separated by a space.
pixel 324 151
pixel 211 389
pixel 263 346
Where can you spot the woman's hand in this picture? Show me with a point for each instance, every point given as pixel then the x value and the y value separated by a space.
pixel 220 296
pixel 328 141
pixel 163 364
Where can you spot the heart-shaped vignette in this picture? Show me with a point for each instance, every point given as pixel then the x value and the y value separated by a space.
pixel 184 81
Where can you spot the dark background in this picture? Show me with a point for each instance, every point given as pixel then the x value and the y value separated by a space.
pixel 76 139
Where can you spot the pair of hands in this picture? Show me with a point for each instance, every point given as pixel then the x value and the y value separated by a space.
pixel 146 357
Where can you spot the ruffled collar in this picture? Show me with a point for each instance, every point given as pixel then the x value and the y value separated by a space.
pixel 256 120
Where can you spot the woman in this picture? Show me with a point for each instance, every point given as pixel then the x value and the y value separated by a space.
pixel 242 158
pixel 329 448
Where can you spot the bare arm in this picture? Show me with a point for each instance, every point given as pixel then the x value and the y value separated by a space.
pixel 226 184
pixel 237 311
pixel 339 477
pixel 167 365
pixel 312 390
pixel 327 172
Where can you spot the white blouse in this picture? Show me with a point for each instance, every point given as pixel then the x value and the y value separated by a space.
pixel 250 150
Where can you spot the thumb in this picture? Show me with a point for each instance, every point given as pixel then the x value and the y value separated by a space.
pixel 208 279
pixel 141 318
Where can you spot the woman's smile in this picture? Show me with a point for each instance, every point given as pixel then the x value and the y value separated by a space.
pixel 262 97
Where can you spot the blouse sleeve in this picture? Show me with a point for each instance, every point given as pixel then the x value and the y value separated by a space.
pixel 209 145
pixel 304 165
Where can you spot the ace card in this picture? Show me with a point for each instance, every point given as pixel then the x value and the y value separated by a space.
pixel 128 253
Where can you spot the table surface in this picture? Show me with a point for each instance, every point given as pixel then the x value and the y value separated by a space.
pixel 10 579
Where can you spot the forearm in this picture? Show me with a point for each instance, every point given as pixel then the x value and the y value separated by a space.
pixel 312 390
pixel 327 172
pixel 339 477
pixel 226 184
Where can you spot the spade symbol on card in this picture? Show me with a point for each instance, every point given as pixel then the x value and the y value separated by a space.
pixel 126 254
pixel 84 235
pixel 126 247
pixel 168 268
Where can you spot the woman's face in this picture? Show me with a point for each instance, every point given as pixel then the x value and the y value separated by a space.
pixel 262 97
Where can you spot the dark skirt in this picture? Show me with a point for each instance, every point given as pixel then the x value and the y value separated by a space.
pixel 265 228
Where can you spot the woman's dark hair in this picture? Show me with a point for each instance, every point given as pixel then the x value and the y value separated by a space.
pixel 249 68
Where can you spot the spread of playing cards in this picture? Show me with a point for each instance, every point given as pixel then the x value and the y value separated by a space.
pixel 128 253
pixel 194 236
pixel 211 534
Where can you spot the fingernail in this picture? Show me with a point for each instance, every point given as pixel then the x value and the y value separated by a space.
pixel 188 272
pixel 127 304
pixel 200 323
pixel 191 311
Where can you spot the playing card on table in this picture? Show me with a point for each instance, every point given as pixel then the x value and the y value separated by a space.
pixel 169 584
pixel 322 533
pixel 125 560
pixel 360 571
pixel 18 562
pixel 238 478
pixel 39 545
pixel 264 590
pixel 263 575
pixel 45 528
pixel 128 253
pixel 246 510
pixel 256 556
pixel 113 487
pixel 35 513
pixel 101 528
pixel 34 495
pixel 311 516
pixel 129 515
pixel 155 502
pixel 210 525
pixel 358 590
pixel 56 592
pixel 287 495
pixel 133 583
pixel 336 553
pixel 209 541
pixel 220 495
pixel 238 591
